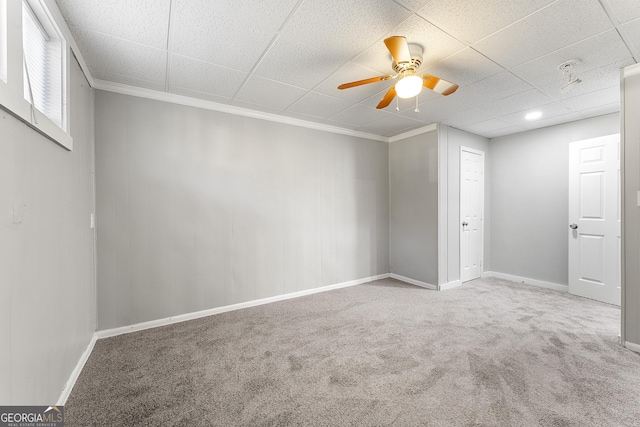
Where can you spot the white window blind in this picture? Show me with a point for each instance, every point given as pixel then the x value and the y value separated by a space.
pixel 43 64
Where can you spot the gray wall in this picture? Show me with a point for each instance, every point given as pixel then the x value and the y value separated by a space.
pixel 451 140
pixel 631 217
pixel 199 209
pixel 413 207
pixel 529 188
pixel 47 309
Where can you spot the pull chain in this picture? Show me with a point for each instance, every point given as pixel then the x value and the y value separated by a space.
pixel 417 110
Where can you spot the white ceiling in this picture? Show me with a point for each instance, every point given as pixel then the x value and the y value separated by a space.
pixel 288 56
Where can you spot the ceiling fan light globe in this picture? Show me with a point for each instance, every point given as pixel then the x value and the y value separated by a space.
pixel 409 86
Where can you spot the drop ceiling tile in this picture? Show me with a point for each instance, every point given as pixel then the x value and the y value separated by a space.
pixel 189 73
pixel 491 125
pixel 199 95
pixel 126 80
pixel 601 110
pixel 319 105
pixel 350 72
pixel 465 67
pixel 504 131
pixel 391 125
pixel 360 115
pixel 304 117
pixel 433 109
pixel 552 121
pixel 599 78
pixel 232 34
pixel 109 54
pixel 518 102
pixel 259 90
pixel 414 5
pixel 473 20
pixel 594 52
pixel 492 88
pixel 343 27
pixel 342 125
pixel 255 107
pixel 593 99
pixel 625 10
pixel 143 21
pixel 552 109
pixel 465 117
pixel 632 31
pixel 435 43
pixel 553 27
pixel 293 63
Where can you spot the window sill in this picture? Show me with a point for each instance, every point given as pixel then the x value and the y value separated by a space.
pixel 21 110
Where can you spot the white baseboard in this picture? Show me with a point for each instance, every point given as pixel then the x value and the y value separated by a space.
pixel 450 285
pixel 631 346
pixel 414 282
pixel 527 281
pixel 204 313
pixel 66 391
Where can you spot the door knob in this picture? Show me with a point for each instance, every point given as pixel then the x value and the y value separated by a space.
pixel 573 226
pixel 465 223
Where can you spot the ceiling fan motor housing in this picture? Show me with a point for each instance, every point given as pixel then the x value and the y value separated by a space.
pixel 416 60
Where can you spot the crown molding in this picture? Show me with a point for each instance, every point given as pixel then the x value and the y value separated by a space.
pixel 414 132
pixel 224 108
pixel 631 70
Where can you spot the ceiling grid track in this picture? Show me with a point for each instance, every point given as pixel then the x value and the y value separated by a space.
pixel 268 48
pixel 169 45
pixel 616 23
pixel 286 58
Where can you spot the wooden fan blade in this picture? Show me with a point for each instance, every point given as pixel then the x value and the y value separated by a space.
pixel 364 82
pixel 399 49
pixel 388 97
pixel 439 85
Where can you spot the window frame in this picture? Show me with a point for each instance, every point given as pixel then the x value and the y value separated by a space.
pixel 12 91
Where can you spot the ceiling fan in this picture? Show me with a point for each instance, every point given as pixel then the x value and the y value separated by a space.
pixel 406 61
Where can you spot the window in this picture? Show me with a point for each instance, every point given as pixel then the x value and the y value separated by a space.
pixel 34 82
pixel 43 69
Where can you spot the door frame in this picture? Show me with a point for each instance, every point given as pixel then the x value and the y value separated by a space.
pixel 482 203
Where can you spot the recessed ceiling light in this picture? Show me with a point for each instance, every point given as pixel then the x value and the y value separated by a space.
pixel 534 115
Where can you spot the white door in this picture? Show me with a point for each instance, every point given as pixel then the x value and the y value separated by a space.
pixel 471 212
pixel 594 218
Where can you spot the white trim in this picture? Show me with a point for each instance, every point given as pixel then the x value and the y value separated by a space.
pixel 12 90
pixel 71 382
pixel 460 236
pixel 527 281
pixel 204 313
pixel 414 282
pixel 631 346
pixel 224 108
pixel 450 285
pixel 631 70
pixel 71 42
pixel 443 203
pixel 411 133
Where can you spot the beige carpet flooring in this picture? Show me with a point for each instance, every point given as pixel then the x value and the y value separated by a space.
pixel 489 353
